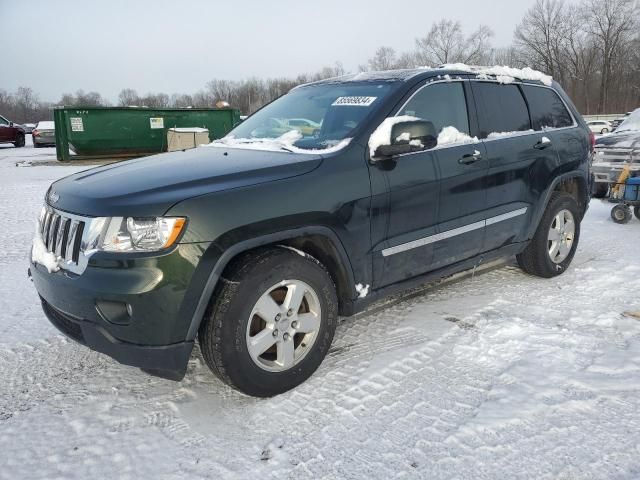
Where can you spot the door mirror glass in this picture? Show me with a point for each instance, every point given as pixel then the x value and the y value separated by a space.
pixel 402 137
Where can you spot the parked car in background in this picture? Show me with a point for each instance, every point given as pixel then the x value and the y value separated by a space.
pixel 44 134
pixel 599 126
pixel 254 244
pixel 616 123
pixel 614 152
pixel 11 132
pixel 28 127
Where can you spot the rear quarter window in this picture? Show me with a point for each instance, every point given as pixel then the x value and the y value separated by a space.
pixel 547 109
pixel 501 108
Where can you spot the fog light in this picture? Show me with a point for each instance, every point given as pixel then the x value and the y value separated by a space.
pixel 118 313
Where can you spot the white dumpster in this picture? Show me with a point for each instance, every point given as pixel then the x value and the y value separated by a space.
pixel 185 138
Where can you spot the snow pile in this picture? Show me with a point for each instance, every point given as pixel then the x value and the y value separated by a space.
pixel 503 74
pixel 382 134
pixel 284 142
pixel 403 137
pixel 494 135
pixel 363 290
pixel 450 135
pixel 39 254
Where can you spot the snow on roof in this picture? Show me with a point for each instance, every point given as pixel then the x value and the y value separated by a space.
pixel 503 74
pixel 47 124
pixel 376 76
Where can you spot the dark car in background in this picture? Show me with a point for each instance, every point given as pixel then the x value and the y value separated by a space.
pixel 615 152
pixel 255 244
pixel 11 132
pixel 44 134
pixel 616 123
pixel 28 127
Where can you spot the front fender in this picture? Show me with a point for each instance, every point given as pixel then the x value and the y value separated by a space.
pixel 222 259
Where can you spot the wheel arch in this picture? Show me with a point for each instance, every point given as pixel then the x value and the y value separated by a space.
pixel 319 242
pixel 573 183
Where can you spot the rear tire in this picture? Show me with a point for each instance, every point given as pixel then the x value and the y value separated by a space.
pixel 543 257
pixel 19 143
pixel 604 130
pixel 250 311
pixel 621 213
pixel 600 190
pixel 636 211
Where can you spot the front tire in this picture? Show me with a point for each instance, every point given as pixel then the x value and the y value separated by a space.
pixel 271 321
pixel 554 244
pixel 604 130
pixel 19 143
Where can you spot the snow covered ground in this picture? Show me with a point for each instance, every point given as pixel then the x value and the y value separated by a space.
pixel 500 375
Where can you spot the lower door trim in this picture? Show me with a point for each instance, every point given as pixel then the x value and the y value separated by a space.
pixel 403 247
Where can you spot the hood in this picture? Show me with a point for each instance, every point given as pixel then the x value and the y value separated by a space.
pixel 149 186
pixel 624 139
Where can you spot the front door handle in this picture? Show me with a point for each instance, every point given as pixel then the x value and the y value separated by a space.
pixel 543 143
pixel 470 158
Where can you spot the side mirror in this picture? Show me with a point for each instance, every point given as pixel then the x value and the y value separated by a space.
pixel 404 137
pixel 11 124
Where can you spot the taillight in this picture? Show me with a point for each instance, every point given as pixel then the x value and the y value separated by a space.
pixel 35 133
pixel 592 141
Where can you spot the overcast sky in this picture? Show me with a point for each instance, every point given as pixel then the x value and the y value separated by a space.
pixel 177 46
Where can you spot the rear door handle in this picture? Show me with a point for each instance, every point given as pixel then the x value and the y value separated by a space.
pixel 470 158
pixel 543 143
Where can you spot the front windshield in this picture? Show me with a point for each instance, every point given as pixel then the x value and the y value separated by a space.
pixel 632 122
pixel 314 117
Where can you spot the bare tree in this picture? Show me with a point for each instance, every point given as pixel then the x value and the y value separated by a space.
pixel 25 101
pixel 540 36
pixel 446 43
pixel 613 25
pixel 383 59
pixel 128 97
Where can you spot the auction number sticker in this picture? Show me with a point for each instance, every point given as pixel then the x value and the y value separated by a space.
pixel 76 124
pixel 156 122
pixel 354 101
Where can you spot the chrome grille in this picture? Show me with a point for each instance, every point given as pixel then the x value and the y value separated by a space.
pixel 62 234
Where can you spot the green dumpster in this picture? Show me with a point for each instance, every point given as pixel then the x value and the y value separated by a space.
pixel 122 132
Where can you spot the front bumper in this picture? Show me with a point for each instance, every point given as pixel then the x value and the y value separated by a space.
pixel 42 140
pixel 136 310
pixel 167 361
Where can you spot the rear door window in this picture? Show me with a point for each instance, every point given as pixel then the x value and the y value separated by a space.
pixel 501 109
pixel 442 104
pixel 547 110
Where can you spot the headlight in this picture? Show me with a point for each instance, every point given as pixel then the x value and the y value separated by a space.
pixel 129 234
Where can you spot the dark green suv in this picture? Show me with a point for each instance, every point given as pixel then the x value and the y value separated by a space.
pixel 256 243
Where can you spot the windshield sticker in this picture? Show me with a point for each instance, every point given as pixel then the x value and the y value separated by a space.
pixel 354 101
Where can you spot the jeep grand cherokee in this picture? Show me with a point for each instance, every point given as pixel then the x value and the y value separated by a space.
pixel 255 244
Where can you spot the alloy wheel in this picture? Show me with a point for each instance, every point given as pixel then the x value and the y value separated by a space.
pixel 561 236
pixel 283 325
